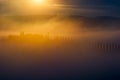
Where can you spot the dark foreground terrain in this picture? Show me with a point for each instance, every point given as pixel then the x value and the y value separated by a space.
pixel 87 58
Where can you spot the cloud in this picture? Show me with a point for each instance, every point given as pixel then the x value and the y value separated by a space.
pixel 75 7
pixel 95 7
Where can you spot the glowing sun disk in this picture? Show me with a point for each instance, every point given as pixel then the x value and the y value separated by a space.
pixel 38 2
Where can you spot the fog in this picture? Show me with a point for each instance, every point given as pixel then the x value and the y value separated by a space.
pixel 90 51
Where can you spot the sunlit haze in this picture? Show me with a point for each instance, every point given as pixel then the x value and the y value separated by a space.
pixel 59 39
pixel 33 7
pixel 38 2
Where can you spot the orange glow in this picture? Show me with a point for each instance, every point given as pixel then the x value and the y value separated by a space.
pixel 38 3
pixel 35 7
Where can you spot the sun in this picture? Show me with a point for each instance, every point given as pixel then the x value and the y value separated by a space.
pixel 33 7
pixel 38 2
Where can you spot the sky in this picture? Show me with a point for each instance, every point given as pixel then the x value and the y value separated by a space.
pixel 70 7
pixel 74 7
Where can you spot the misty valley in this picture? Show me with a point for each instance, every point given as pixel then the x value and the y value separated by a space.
pixel 59 39
pixel 73 47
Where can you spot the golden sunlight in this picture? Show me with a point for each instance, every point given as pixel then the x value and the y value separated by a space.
pixel 38 2
pixel 33 7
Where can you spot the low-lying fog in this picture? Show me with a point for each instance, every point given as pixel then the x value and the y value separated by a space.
pixel 93 52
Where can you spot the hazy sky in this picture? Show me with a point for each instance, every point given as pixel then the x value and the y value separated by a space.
pixel 75 7
pixel 72 7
